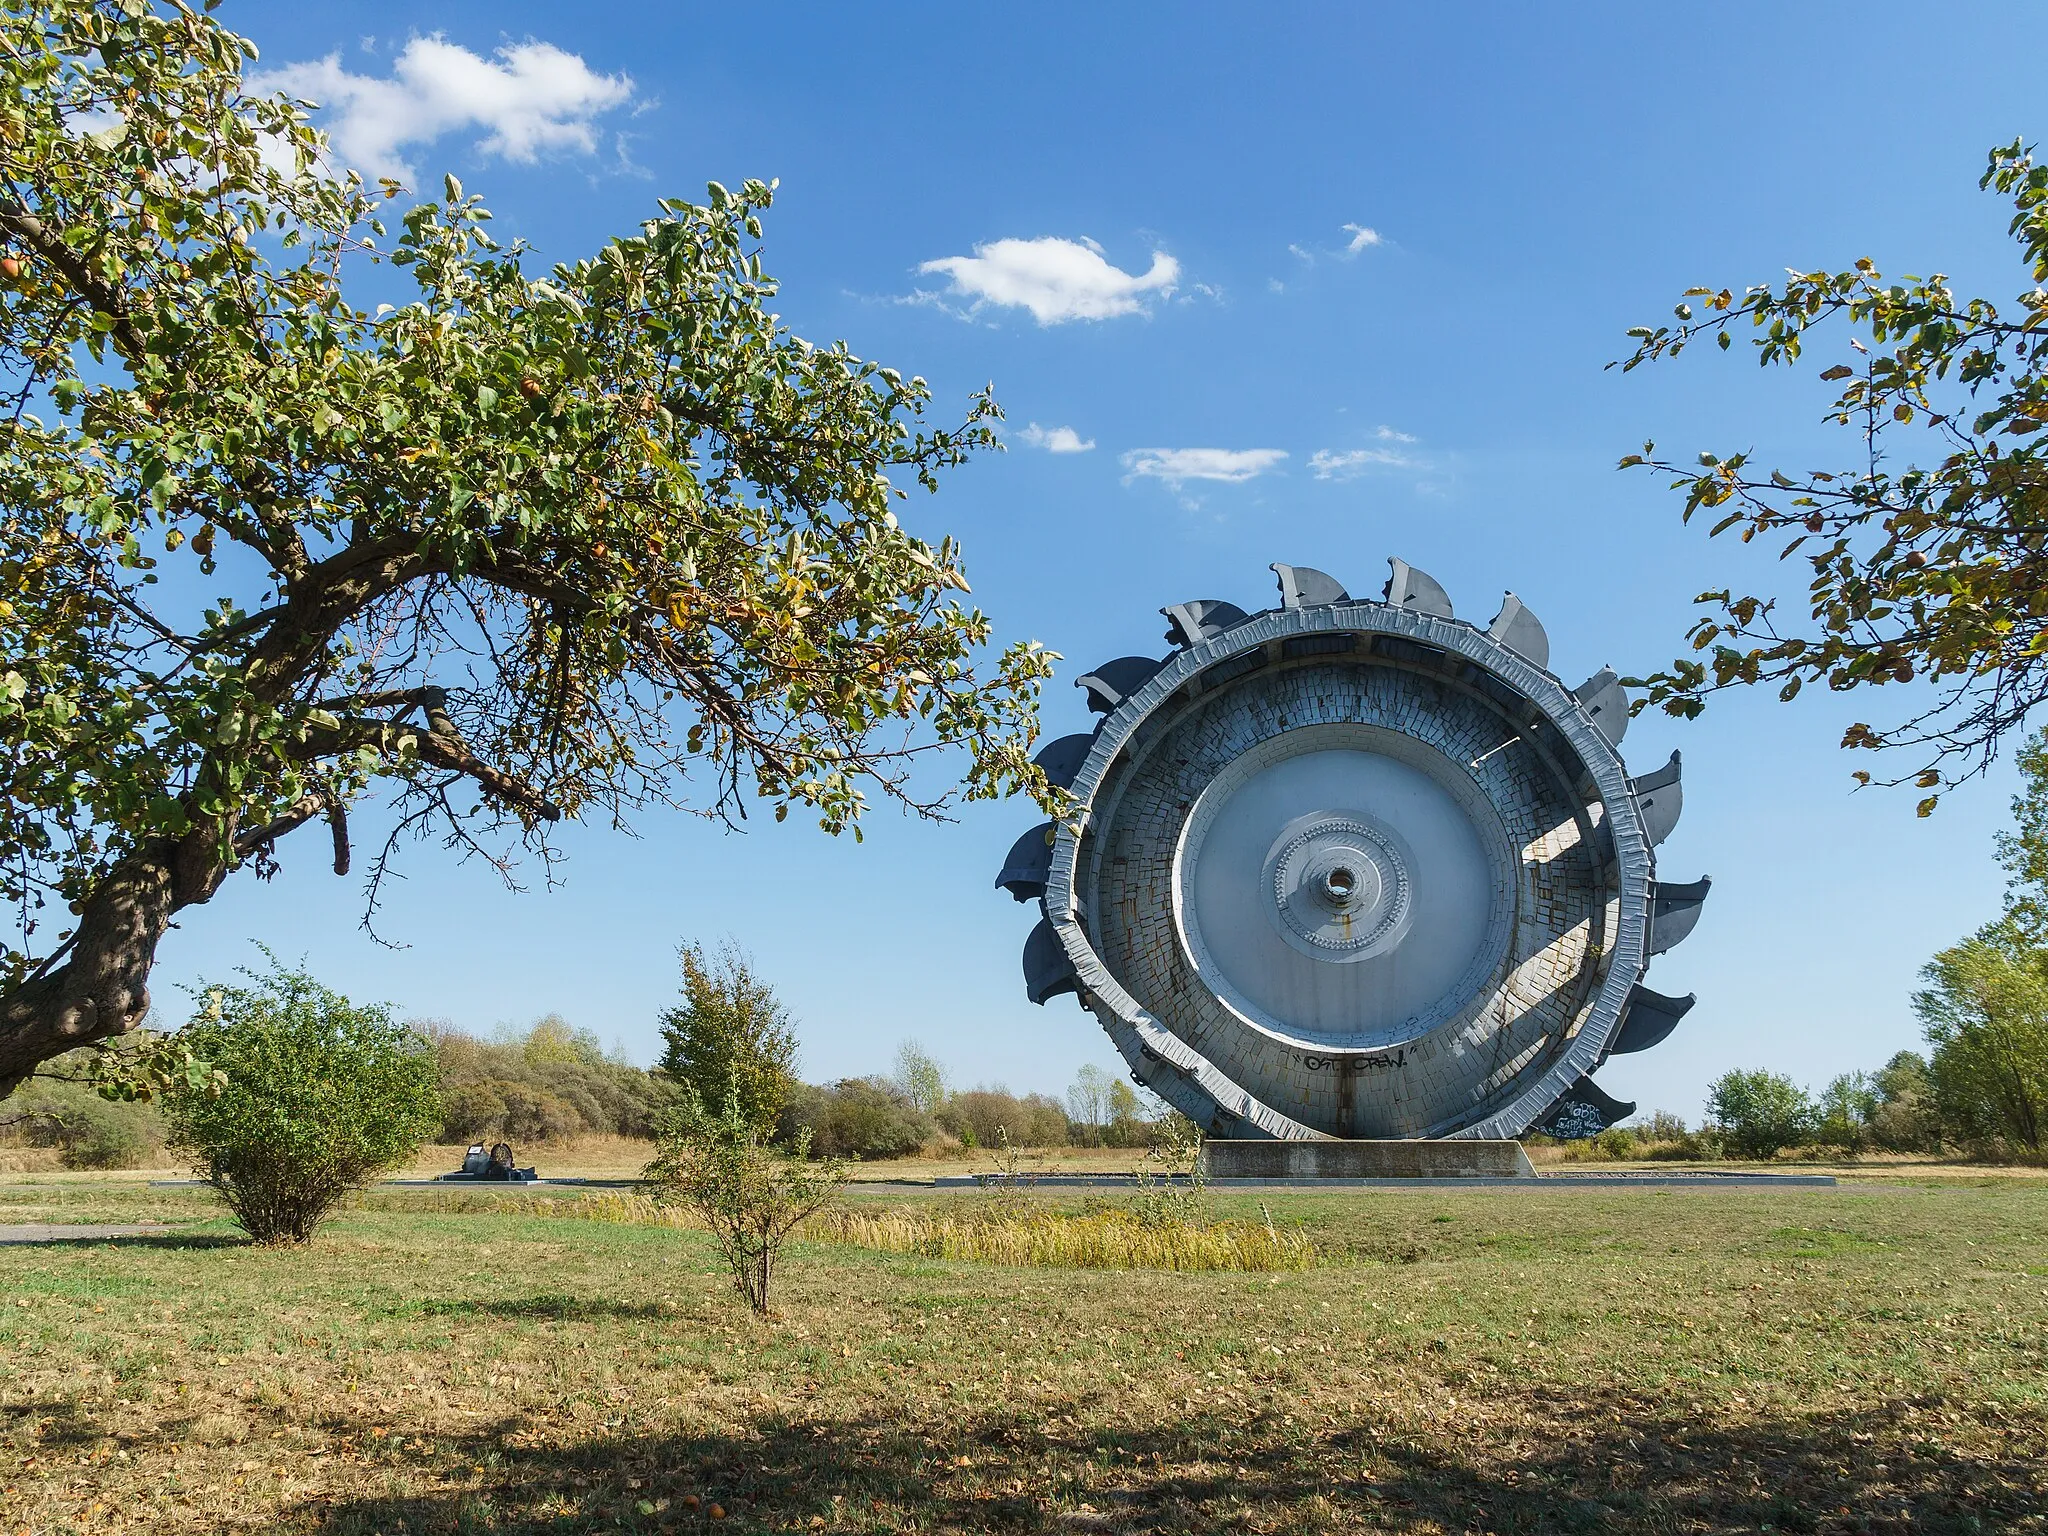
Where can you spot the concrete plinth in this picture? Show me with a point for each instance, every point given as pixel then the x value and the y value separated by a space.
pixel 1271 1160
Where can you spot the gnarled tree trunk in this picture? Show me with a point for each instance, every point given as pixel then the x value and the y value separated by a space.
pixel 101 987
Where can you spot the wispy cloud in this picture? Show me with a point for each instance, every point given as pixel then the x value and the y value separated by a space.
pixel 1057 280
pixel 1348 464
pixel 1345 466
pixel 530 99
pixel 1054 439
pixel 1177 465
pixel 1361 238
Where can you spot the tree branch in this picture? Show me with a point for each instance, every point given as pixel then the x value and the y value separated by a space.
pixel 24 226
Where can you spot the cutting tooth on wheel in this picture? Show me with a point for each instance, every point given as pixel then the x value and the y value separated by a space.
pixel 1585 1110
pixel 1606 701
pixel 1303 586
pixel 1028 862
pixel 1520 631
pixel 1047 970
pixel 1204 619
pixel 1651 1016
pixel 1114 681
pixel 1061 759
pixel 1675 912
pixel 1416 591
pixel 1660 797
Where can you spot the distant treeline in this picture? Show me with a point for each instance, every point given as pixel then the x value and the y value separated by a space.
pixel 554 1082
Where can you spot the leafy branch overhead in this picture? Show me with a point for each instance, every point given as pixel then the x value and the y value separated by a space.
pixel 1929 572
pixel 572 541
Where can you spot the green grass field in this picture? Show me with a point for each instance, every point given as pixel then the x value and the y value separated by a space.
pixel 1868 1358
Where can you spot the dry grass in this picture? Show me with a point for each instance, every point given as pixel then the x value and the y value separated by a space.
pixel 1534 1361
pixel 1099 1236
pixel 1104 1237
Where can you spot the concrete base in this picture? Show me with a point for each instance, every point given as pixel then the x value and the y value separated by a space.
pixel 1268 1160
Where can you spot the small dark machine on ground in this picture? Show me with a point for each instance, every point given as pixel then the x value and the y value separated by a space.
pixel 494 1165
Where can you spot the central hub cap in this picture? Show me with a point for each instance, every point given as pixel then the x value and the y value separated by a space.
pixel 1340 887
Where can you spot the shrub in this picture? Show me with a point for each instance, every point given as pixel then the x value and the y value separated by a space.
pixel 534 1114
pixel 1032 1121
pixel 104 1135
pixel 1844 1113
pixel 858 1117
pixel 1905 1119
pixel 318 1096
pixel 1761 1113
pixel 730 1035
pixel 471 1111
pixel 551 1081
pixel 86 1130
pixel 750 1195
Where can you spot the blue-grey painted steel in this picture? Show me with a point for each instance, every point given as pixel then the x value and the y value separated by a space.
pixel 1114 681
pixel 1676 912
pixel 1062 758
pixel 1584 1111
pixel 1205 619
pixel 1047 970
pixel 1392 779
pixel 1606 703
pixel 1660 796
pixel 1651 1018
pixel 1520 630
pixel 1303 586
pixel 1025 868
pixel 1415 591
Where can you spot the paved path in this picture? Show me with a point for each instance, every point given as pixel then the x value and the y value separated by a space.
pixel 48 1232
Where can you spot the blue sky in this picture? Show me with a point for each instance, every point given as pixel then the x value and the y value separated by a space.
pixel 1319 284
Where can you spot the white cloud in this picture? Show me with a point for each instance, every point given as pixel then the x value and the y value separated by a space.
pixel 1361 237
pixel 1346 466
pixel 1175 465
pixel 1055 279
pixel 1054 439
pixel 529 99
pixel 1389 435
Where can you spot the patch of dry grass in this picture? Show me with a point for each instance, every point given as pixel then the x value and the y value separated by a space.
pixel 1011 1231
pixel 1859 1359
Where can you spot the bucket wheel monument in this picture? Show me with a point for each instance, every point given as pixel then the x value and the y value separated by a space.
pixel 1353 869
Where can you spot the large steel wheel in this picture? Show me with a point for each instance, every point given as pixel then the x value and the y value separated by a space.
pixel 1357 868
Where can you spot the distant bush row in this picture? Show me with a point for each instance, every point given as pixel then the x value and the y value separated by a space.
pixel 551 1082
pixel 1909 1105
pixel 554 1083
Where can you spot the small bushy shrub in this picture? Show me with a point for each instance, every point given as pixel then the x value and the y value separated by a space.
pixel 86 1130
pixel 1761 1113
pixel 104 1135
pixel 750 1195
pixel 859 1117
pixel 551 1081
pixel 1034 1120
pixel 317 1097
